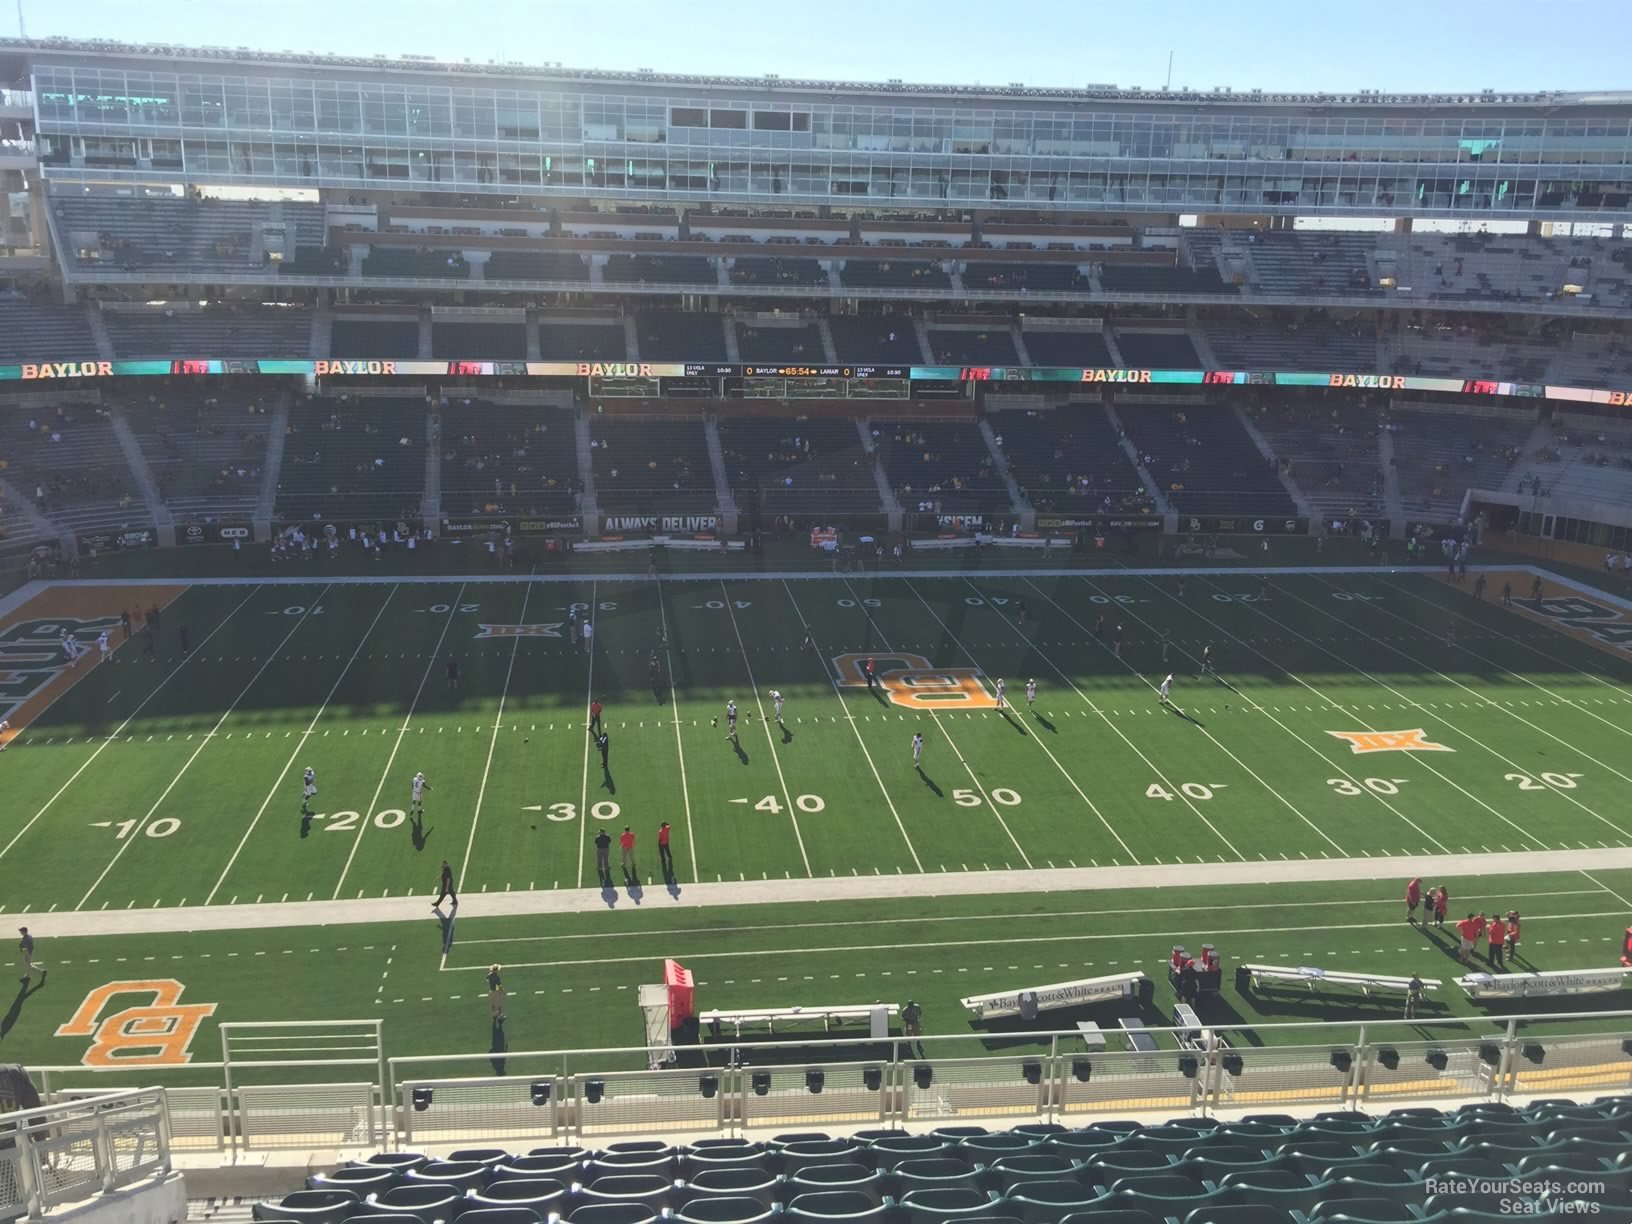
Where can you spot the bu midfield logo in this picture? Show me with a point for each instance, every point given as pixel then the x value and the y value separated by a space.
pixel 912 681
pixel 157 1035
pixel 513 631
pixel 31 654
pixel 1414 740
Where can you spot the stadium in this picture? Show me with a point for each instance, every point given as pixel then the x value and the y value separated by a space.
pixel 930 529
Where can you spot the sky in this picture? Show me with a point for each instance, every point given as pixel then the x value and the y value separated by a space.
pixel 1276 45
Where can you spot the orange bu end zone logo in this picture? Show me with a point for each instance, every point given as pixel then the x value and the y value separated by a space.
pixel 912 681
pixel 1414 740
pixel 157 1035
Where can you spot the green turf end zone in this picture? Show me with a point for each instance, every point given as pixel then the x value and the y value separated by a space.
pixel 1344 716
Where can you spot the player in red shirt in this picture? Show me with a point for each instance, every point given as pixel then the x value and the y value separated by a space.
pixel 626 842
pixel 664 858
pixel 595 715
pixel 1497 934
pixel 1413 898
pixel 1468 932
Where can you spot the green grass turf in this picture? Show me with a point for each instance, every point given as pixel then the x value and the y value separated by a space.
pixel 208 765
pixel 572 978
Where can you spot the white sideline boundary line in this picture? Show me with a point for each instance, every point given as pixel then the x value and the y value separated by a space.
pixel 591 615
pixel 770 739
pixel 498 723
pixel 385 774
pixel 299 746
pixel 157 688
pixel 203 743
pixel 860 739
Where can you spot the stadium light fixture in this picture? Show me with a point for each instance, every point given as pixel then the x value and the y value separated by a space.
pixel 422 1099
pixel 761 1082
pixel 814 1080
pixel 708 1086
pixel 543 1090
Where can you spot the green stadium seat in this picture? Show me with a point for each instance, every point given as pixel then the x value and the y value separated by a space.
pixel 1380 1174
pixel 1415 1111
pixel 1107 1212
pixel 983 1149
pixel 959 1133
pixel 934 1205
pixel 425 1201
pixel 482 1156
pixel 501 1215
pixel 311 1207
pixel 1242 1213
pixel 1308 1157
pixel 1337 1131
pixel 1469 1216
pixel 359 1179
pixel 1175 1141
pixel 1117 1126
pixel 724 1210
pixel 1408 1154
pixel 1608 1149
pixel 1210 1164
pixel 1285 1121
pixel 1254 1132
pixel 1044 1202
pixel 1009 1172
pixel 836 1205
pixel 560 1168
pixel 400 1161
pixel 614 1213
pixel 640 1147
pixel 757 1184
pixel 542 1194
pixel 614 1164
pixel 1041 1129
pixel 1363 1211
pixel 1463 1167
pixel 371 1217
pixel 828 1179
pixel 1569 1163
pixel 882 1132
pixel 1279 1189
pixel 795 1156
pixel 1111 1165
pixel 1344 1115
pixel 1081 1144
pixel 460 1175
pixel 887 1153
pixel 644 1189
pixel 566 1151
pixel 935 1173
pixel 1471 1200
pixel 723 1154
pixel 782 1141
pixel 1407 1191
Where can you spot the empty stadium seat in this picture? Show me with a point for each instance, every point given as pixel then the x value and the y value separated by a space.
pixel 1108 1211
pixel 561 1167
pixel 934 1173
pixel 1242 1213
pixel 735 1182
pixel 614 1213
pixel 929 1206
pixel 1363 1211
pixel 1042 1202
pixel 461 1175
pixel 1008 1172
pixel 725 1210
pixel 660 1163
pixel 833 1178
pixel 985 1148
pixel 500 1215
pixel 401 1161
pixel 837 1205
pixel 1164 1193
pixel 542 1194
pixel 649 1190
pixel 796 1156
pixel 360 1179
pixel 311 1207
pixel 1127 1161
pixel 425 1201
pixel 1278 1188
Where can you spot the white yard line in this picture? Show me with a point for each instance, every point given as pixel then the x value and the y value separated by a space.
pixel 1064 773
pixel 1248 700
pixel 1374 606
pixel 1094 706
pixel 787 795
pixel 498 723
pixel 299 747
pixel 839 695
pixel 591 614
pixel 117 731
pixel 953 744
pixel 1608 890
pixel 1417 757
pixel 1485 702
pixel 679 747
pixel 385 774
pixel 203 743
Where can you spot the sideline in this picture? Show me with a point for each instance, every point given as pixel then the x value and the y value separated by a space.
pixel 836 888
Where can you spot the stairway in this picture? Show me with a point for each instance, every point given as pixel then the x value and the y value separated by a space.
pixel 886 495
pixel 99 332
pixel 322 337
pixel 1268 452
pixel 1017 499
pixel 424 332
pixel 722 482
pixel 1157 493
pixel 1110 343
pixel 1391 483
pixel 588 506
pixel 1020 345
pixel 535 351
pixel 430 502
pixel 631 337
pixel 164 522
pixel 733 353
pixel 922 329
pixel 277 431
pixel 24 506
pixel 830 351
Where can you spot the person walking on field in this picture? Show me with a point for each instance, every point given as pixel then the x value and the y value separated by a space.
pixel 1413 996
pixel 445 887
pixel 1413 898
pixel 495 994
pixel 1442 906
pixel 626 843
pixel 1496 933
pixel 25 959
pixel 603 857
pixel 665 857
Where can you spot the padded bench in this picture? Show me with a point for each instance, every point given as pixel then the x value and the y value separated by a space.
pixel 1057 994
pixel 1314 977
pixel 829 1016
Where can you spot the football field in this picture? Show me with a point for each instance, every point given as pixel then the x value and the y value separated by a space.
pixel 1346 715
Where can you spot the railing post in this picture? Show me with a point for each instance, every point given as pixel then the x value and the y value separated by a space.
pixel 102 1144
pixel 164 1130
pixel 1359 1079
pixel 1510 1060
pixel 28 1168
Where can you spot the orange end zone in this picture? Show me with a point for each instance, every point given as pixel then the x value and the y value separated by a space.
pixel 1566 609
pixel 33 670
